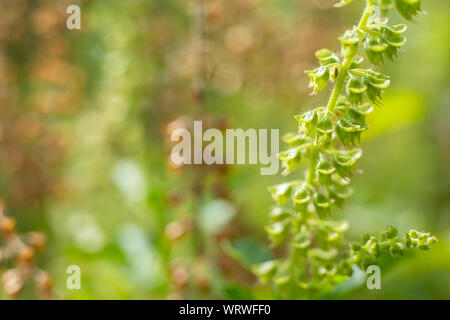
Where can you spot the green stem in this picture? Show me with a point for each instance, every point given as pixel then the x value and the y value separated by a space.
pixel 368 11
pixel 312 166
pixel 349 56
pixel 339 83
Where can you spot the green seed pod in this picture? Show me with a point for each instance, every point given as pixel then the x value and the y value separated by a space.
pixel 295 140
pixel 302 240
pixel 322 204
pixel 408 242
pixel 265 271
pixel 414 234
pixel 355 246
pixel 349 133
pixel 279 214
pixel 365 238
pixel 290 159
pixel 281 193
pixel 277 232
pixel 408 8
pixel 308 120
pixel 391 232
pixel 318 78
pixel 344 161
pixel 301 199
pixel 327 57
pixel 324 172
pixel 396 251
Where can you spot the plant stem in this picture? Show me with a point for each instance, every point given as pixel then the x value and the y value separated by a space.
pixel 368 11
pixel 349 55
pixel 312 166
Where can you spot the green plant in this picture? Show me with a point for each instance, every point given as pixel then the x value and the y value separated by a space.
pixel 327 143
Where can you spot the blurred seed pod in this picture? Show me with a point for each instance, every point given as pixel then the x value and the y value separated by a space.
pixel 12 283
pixel 203 283
pixel 214 12
pixel 177 229
pixel 180 276
pixel 7 225
pixel 44 285
pixel 26 254
pixel 36 240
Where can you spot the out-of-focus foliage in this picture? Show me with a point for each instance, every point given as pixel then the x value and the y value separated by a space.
pixel 84 122
pixel 17 257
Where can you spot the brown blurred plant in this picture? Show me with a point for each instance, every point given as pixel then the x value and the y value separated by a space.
pixel 18 260
pixel 37 82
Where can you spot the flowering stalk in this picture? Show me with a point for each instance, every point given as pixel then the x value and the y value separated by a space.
pixel 328 143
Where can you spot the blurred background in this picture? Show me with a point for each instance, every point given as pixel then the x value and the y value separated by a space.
pixel 85 118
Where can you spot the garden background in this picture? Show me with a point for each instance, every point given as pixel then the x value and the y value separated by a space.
pixel 85 117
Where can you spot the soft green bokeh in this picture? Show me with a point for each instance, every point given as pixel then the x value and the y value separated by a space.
pixel 135 59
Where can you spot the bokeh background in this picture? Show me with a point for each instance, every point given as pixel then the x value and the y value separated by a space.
pixel 84 145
